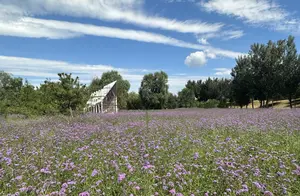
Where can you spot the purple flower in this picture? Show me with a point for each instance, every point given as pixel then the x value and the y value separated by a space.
pixel 45 171
pixel 196 155
pixel 172 191
pixel 64 185
pixel 268 193
pixel 18 178
pixel 121 177
pixel 258 185
pixel 94 173
pixel 84 194
pixel 148 166
pixel 297 170
pixel 137 188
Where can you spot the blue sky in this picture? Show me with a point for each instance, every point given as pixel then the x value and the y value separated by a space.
pixel 188 39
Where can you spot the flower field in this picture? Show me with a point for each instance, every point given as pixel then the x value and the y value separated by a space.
pixel 172 152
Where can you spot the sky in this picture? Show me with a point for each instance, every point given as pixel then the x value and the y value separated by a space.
pixel 187 39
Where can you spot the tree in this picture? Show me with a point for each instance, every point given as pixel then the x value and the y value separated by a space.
pixel 241 81
pixel 172 101
pixel 123 86
pixel 49 105
pixel 10 88
pixel 291 70
pixel 29 100
pixel 70 93
pixel 186 98
pixel 195 87
pixel 134 101
pixel 154 90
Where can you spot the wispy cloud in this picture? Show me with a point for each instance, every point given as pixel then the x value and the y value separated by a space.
pixel 224 35
pixel 16 20
pixel 126 11
pixel 53 29
pixel 266 13
pixel 37 70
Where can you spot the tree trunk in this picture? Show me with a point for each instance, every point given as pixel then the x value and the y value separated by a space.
pixel 267 102
pixel 290 101
pixel 261 104
pixel 246 106
pixel 252 102
pixel 71 112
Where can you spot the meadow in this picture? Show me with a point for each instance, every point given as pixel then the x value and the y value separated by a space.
pixel 171 152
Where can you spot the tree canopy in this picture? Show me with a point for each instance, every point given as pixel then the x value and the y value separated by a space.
pixel 154 90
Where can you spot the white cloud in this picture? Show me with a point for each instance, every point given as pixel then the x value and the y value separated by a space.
pixel 253 11
pixel 14 22
pixel 37 70
pixel 258 12
pixel 53 29
pixel 222 72
pixel 196 59
pixel 199 58
pixel 127 11
pixel 224 35
pixel 203 41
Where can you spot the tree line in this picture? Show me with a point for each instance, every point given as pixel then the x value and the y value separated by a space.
pixel 268 72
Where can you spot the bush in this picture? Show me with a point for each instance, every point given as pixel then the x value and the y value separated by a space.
pixel 223 104
pixel 211 103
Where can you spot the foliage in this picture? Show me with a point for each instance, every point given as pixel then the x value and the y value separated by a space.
pixel 69 93
pixel 291 70
pixel 211 103
pixel 268 72
pixel 154 90
pixel 186 98
pixel 134 101
pixel 242 81
pixel 172 102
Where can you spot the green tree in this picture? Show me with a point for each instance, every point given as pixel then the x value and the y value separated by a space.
pixel 134 101
pixel 291 70
pixel 123 86
pixel 241 81
pixel 49 105
pixel 195 86
pixel 29 100
pixel 10 88
pixel 172 101
pixel 154 90
pixel 186 98
pixel 70 93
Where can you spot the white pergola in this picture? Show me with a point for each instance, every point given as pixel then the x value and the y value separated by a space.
pixel 104 100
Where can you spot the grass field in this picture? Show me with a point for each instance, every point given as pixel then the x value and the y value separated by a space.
pixel 173 152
